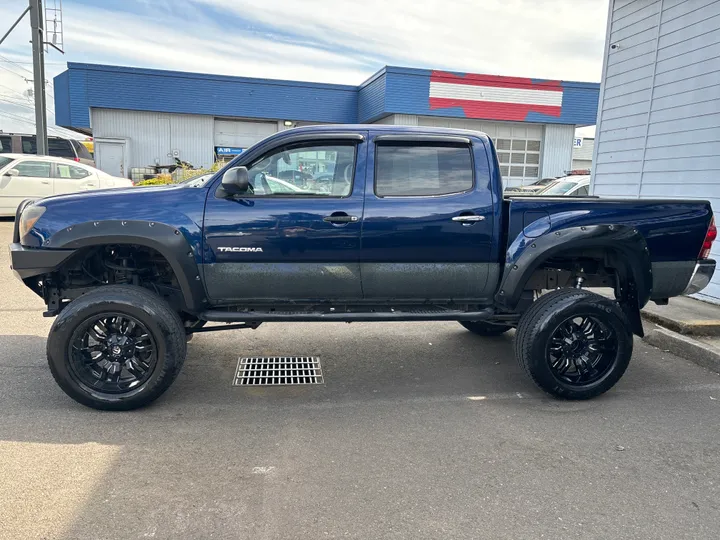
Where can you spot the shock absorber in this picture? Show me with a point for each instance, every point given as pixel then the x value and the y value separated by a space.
pixel 579 281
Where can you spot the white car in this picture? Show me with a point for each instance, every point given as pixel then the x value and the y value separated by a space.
pixel 569 186
pixel 25 176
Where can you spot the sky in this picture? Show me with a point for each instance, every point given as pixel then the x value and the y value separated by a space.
pixel 338 41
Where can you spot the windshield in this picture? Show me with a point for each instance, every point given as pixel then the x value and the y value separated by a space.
pixel 5 161
pixel 559 188
pixel 544 182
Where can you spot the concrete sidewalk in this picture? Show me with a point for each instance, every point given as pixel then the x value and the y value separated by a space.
pixel 686 327
pixel 686 315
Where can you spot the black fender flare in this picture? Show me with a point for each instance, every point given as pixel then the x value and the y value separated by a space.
pixel 169 241
pixel 633 258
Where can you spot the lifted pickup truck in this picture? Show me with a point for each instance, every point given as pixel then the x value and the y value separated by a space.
pixel 386 223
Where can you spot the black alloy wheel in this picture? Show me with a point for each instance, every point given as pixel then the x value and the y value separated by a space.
pixel 112 353
pixel 581 350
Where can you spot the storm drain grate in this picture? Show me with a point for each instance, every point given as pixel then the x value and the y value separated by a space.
pixel 278 370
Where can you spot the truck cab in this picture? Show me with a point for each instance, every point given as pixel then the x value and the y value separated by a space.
pixel 403 218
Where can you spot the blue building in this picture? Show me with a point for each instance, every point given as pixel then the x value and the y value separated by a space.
pixel 143 117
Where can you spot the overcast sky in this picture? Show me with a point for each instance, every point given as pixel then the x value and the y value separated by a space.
pixel 339 41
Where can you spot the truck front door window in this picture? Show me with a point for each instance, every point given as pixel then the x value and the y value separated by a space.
pixel 316 171
pixel 406 170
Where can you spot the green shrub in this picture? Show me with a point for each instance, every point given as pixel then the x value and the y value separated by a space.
pixel 159 180
pixel 180 174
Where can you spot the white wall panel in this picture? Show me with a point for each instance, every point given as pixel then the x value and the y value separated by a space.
pixel 242 133
pixel 557 150
pixel 153 137
pixel 658 132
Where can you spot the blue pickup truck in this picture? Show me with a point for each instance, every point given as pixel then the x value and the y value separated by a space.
pixel 384 223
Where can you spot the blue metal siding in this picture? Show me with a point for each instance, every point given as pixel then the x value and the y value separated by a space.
pixel 79 108
pixel 392 90
pixel 62 99
pixel 371 98
pixel 409 93
pixel 112 87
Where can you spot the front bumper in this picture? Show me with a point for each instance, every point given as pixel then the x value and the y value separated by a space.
pixel 28 262
pixel 701 276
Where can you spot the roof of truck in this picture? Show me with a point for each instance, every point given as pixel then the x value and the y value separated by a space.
pixel 386 127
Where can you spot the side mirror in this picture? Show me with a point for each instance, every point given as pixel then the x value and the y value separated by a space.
pixel 236 181
pixel 12 172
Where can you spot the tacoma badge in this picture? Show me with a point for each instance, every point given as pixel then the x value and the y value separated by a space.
pixel 240 249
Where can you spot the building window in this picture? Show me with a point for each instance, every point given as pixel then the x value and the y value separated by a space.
pixel 519 159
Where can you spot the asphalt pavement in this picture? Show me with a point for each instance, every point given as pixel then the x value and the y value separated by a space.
pixel 421 430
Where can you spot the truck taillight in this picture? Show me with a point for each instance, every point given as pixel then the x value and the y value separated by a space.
pixel 709 239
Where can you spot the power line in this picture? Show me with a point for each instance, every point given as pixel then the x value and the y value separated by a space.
pixel 30 63
pixel 6 59
pixel 23 105
pixel 11 89
pixel 23 95
pixel 58 131
pixel 48 83
pixel 13 72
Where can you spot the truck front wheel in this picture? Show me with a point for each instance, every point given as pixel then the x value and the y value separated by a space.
pixel 116 348
pixel 574 344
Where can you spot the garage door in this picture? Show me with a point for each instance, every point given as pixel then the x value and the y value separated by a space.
pixel 241 134
pixel 518 145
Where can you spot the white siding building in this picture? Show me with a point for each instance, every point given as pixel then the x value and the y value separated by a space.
pixel 658 129
pixel 582 155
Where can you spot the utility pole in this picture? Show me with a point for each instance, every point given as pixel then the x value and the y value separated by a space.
pixel 37 24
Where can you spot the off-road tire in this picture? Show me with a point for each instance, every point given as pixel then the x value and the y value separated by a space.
pixel 482 328
pixel 146 307
pixel 543 318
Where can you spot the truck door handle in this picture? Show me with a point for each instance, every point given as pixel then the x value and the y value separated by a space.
pixel 468 219
pixel 338 218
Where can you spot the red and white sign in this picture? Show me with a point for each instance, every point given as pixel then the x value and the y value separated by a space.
pixel 493 97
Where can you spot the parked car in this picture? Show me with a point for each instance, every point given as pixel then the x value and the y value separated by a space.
pixel 414 228
pixel 13 143
pixel 23 176
pixel 531 188
pixel 569 186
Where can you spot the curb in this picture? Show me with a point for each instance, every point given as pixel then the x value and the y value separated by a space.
pixel 695 328
pixel 696 351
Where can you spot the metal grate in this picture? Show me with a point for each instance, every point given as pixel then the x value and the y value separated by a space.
pixel 278 370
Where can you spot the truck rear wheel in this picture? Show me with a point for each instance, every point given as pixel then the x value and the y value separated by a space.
pixel 116 348
pixel 574 344
pixel 482 328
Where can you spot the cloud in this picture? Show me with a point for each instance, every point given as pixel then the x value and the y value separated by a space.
pixel 338 41
pixel 508 37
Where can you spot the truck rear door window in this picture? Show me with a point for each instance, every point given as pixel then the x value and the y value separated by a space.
pixel 422 170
